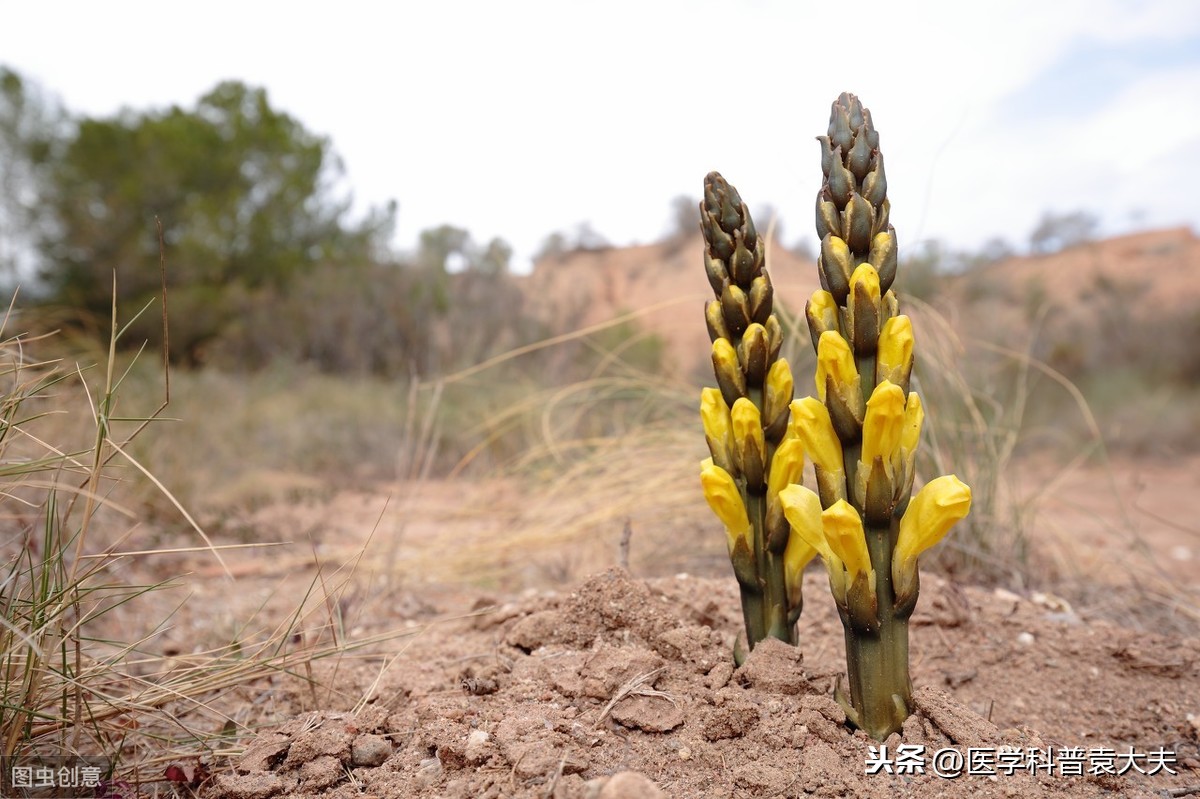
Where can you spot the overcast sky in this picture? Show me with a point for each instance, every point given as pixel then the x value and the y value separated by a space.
pixel 516 119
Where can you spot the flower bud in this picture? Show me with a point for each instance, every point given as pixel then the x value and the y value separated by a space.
pixel 858 222
pixel 726 501
pixel 835 264
pixel 714 268
pixel 745 263
pixel 714 414
pixel 829 220
pixel 841 134
pixel 864 309
pixel 748 445
pixel 838 385
pixel 874 186
pixel 761 294
pixel 822 314
pixel 894 360
pixel 812 426
pixel 884 256
pixel 858 160
pixel 787 467
pixel 728 371
pixel 774 338
pixel 882 217
pixel 736 307
pixel 914 417
pixel 835 363
pixel 826 154
pixel 753 354
pixel 883 425
pixel 714 320
pixel 778 390
pixel 845 536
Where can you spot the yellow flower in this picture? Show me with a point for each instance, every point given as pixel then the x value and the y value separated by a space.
pixel 933 511
pixel 822 313
pixel 834 360
pixel 777 391
pixel 797 555
pixel 787 466
pixel 914 417
pixel 714 414
pixel 895 355
pixel 802 508
pixel 749 445
pixel 729 372
pixel 864 285
pixel 844 535
pixel 726 501
pixel 812 425
pixel 884 424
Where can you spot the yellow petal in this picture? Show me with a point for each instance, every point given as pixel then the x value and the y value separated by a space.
pixel 728 371
pixel 777 391
pixel 813 427
pixel 884 423
pixel 933 511
pixel 865 281
pixel 749 445
pixel 835 360
pixel 844 535
pixel 802 508
pixel 822 312
pixel 797 555
pixel 714 414
pixel 914 417
pixel 787 466
pixel 895 350
pixel 726 501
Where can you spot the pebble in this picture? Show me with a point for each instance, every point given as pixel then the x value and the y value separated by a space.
pixel 370 750
pixel 630 785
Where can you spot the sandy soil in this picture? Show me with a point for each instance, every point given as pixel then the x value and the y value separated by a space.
pixel 592 682
pixel 625 688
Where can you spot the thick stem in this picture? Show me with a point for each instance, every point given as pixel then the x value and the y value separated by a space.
pixel 770 610
pixel 877 660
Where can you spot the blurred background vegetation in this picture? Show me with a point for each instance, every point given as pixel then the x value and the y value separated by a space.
pixel 307 347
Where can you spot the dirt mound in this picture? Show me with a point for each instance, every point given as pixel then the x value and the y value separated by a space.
pixel 625 688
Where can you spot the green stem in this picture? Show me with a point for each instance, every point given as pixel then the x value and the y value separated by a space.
pixel 877 659
pixel 764 603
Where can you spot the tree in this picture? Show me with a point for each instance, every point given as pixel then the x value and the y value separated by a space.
pixel 30 127
pixel 685 217
pixel 1058 231
pixel 244 192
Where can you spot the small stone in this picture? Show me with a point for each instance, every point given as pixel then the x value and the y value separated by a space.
pixel 649 713
pixel 428 771
pixel 370 750
pixel 479 747
pixel 685 753
pixel 1025 639
pixel 630 785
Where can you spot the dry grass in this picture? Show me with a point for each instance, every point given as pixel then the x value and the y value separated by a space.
pixel 81 671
